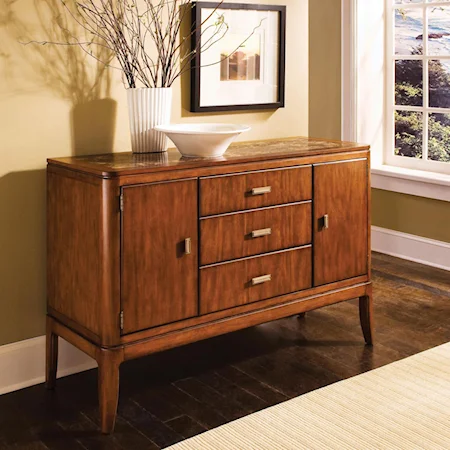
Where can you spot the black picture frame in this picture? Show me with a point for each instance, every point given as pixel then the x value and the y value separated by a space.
pixel 196 61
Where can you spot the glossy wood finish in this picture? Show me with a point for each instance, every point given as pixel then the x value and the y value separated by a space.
pixel 290 271
pixel 108 360
pixel 59 329
pixel 110 302
pixel 230 324
pixel 141 265
pixel 230 236
pixel 51 355
pixel 83 253
pixel 235 168
pixel 366 316
pixel 74 254
pixel 302 297
pixel 112 165
pixel 159 280
pixel 341 248
pixel 108 386
pixel 170 396
pixel 229 193
pixel 82 331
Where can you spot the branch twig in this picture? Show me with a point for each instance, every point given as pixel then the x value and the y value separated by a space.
pixel 145 41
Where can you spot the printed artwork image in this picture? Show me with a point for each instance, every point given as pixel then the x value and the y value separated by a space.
pixel 240 58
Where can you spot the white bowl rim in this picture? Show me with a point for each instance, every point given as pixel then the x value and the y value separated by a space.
pixel 178 128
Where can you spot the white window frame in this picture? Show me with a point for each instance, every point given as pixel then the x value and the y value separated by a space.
pixel 364 116
pixel 391 159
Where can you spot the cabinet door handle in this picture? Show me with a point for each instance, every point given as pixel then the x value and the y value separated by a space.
pixel 261 190
pixel 261 280
pixel 261 233
pixel 326 222
pixel 187 246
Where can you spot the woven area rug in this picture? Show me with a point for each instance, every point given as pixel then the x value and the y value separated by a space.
pixel 404 405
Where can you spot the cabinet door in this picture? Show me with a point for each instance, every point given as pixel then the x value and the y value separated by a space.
pixel 340 221
pixel 159 270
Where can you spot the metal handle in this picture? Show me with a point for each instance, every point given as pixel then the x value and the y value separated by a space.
pixel 261 280
pixel 261 190
pixel 261 233
pixel 187 246
pixel 326 222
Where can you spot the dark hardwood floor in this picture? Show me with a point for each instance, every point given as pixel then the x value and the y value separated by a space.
pixel 170 396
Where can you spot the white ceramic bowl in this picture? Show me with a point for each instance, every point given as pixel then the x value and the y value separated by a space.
pixel 204 140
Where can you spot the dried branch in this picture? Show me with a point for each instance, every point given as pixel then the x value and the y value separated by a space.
pixel 131 29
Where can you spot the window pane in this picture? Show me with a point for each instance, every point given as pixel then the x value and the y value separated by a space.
pixel 408 83
pixel 408 134
pixel 408 1
pixel 439 30
pixel 408 31
pixel 439 80
pixel 439 137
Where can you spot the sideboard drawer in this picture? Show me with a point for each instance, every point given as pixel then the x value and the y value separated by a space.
pixel 257 278
pixel 236 235
pixel 228 193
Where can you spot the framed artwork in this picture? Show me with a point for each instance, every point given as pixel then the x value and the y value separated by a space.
pixel 240 57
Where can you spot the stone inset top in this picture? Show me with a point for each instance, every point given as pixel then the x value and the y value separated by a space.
pixel 116 164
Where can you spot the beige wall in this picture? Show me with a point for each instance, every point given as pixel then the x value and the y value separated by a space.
pixel 57 102
pixel 325 68
pixel 406 213
pixel 411 214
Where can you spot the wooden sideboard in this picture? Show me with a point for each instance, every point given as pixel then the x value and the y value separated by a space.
pixel 149 252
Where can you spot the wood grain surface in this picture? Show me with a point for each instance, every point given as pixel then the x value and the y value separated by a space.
pixel 119 229
pixel 230 236
pixel 159 281
pixel 120 164
pixel 74 252
pixel 341 193
pixel 290 271
pixel 229 193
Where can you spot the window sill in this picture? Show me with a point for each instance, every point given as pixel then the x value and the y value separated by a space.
pixel 412 182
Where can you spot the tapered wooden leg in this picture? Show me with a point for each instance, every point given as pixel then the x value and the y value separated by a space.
pixel 108 387
pixel 51 355
pixel 366 316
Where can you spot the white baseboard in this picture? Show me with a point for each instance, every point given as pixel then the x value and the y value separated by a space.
pixel 22 364
pixel 413 248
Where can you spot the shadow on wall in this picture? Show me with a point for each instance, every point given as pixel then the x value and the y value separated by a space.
pixel 22 261
pixel 93 125
pixel 67 71
pixel 69 74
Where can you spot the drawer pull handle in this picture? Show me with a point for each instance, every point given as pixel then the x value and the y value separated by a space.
pixel 262 190
pixel 326 222
pixel 187 246
pixel 261 280
pixel 261 233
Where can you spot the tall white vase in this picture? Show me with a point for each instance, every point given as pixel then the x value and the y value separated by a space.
pixel 148 108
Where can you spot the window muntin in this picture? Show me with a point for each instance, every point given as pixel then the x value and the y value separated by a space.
pixel 418 85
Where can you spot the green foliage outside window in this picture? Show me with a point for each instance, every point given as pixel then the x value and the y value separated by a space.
pixel 409 125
